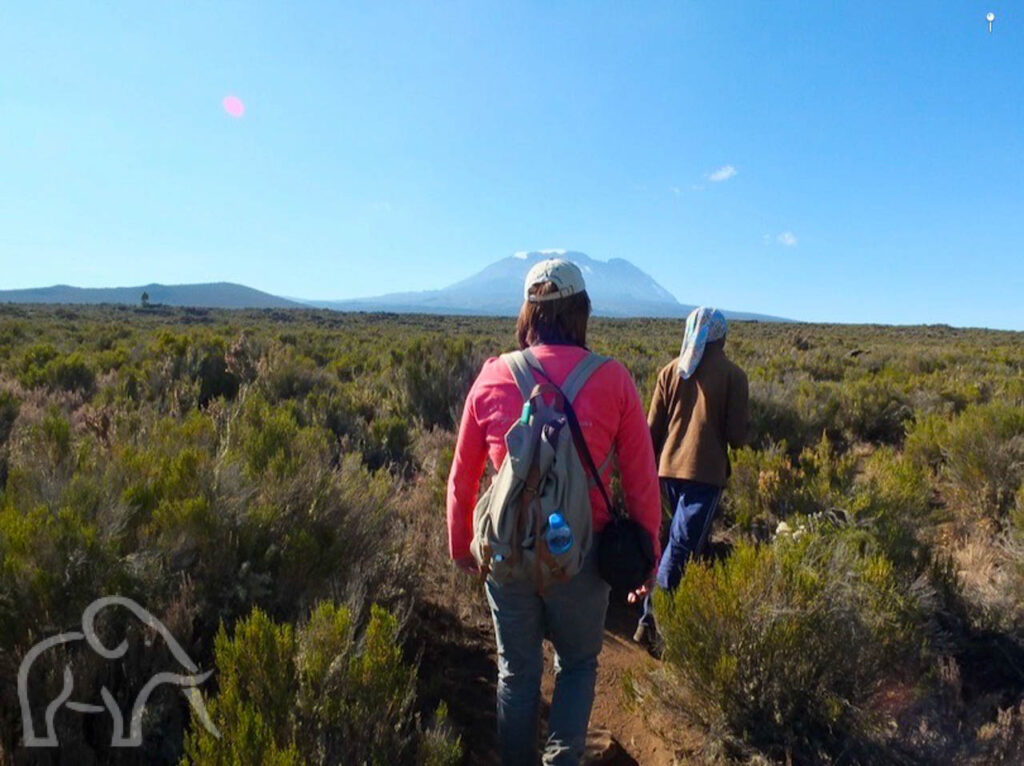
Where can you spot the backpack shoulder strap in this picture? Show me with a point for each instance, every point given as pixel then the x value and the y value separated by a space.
pixel 520 368
pixel 581 374
pixel 605 465
pixel 530 358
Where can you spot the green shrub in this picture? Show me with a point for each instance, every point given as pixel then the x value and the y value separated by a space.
pixel 983 457
pixel 439 745
pixel 796 414
pixel 316 695
pixel 272 442
pixel 799 412
pixel 388 442
pixel 978 455
pixel 873 412
pixel 9 408
pixel 825 477
pixel 41 460
pixel 434 376
pixel 890 492
pixel 188 370
pixel 286 374
pixel 241 359
pixel 895 496
pixel 167 487
pixel 1017 515
pixel 925 436
pixel 254 706
pixel 212 373
pixel 761 487
pixel 31 371
pixel 52 563
pixel 70 373
pixel 334 411
pixel 434 452
pixel 780 647
pixel 43 365
pixel 767 485
pixel 332 534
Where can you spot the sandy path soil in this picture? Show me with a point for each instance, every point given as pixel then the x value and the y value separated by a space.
pixel 460 653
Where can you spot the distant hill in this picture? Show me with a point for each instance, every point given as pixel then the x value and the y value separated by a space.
pixel 223 295
pixel 617 288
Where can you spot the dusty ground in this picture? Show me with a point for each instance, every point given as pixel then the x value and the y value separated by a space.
pixel 633 741
pixel 460 659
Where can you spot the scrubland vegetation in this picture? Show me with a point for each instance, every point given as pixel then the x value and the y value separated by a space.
pixel 270 485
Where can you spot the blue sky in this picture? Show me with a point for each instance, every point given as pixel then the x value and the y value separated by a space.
pixel 877 149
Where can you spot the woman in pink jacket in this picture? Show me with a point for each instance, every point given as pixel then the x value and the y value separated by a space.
pixel 553 324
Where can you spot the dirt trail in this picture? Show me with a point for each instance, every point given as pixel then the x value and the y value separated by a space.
pixel 634 742
pixel 460 655
pixel 629 724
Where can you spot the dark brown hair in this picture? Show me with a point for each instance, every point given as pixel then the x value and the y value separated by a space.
pixel 562 321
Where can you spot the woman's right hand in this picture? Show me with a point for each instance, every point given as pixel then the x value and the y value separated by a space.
pixel 638 595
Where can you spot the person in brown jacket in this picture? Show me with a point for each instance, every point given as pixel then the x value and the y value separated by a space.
pixel 700 409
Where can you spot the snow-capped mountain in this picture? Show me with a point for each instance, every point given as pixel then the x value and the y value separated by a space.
pixel 617 288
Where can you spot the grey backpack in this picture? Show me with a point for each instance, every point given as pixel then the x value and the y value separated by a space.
pixel 540 475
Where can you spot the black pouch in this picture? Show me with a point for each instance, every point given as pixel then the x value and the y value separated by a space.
pixel 625 555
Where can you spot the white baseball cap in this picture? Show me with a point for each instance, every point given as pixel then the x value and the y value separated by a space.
pixel 565 275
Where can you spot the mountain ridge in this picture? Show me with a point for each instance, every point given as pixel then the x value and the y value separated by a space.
pixel 228 295
pixel 617 288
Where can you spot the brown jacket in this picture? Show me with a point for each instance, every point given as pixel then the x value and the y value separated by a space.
pixel 694 421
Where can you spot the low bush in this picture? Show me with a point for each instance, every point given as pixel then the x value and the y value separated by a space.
pixel 316 695
pixel 767 486
pixel 285 374
pixel 244 504
pixel 10 406
pixel 794 413
pixel 43 365
pixel 925 434
pixel 873 412
pixel 434 376
pixel 983 457
pixel 32 365
pixel 760 487
pixel 387 443
pixel 978 456
pixel 894 495
pixel 271 442
pixel 780 647
pixel 70 373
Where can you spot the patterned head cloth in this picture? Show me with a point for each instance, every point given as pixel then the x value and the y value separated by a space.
pixel 703 326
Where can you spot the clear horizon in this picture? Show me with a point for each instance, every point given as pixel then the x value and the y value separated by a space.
pixel 830 164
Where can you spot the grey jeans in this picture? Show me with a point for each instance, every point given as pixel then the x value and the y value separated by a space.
pixel 571 615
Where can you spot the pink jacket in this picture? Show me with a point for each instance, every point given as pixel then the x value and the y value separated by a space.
pixel 610 413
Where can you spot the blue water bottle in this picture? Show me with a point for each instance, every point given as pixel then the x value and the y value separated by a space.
pixel 558 536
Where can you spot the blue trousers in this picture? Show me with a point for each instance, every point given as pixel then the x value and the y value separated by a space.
pixel 572 615
pixel 695 504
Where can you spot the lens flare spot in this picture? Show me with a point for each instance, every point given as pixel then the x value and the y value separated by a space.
pixel 234 106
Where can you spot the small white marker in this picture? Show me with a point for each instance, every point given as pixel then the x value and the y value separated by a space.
pixel 990 17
